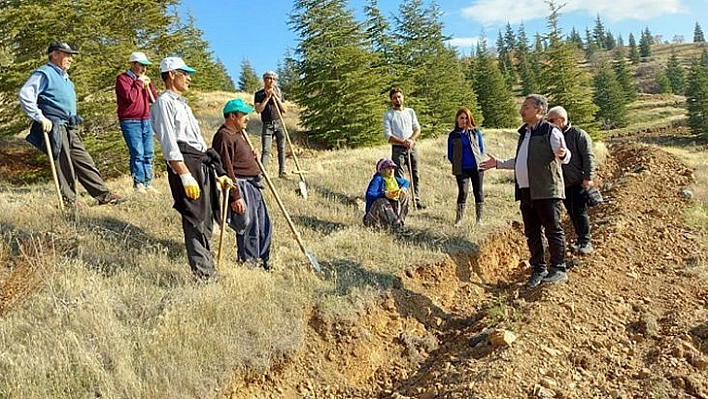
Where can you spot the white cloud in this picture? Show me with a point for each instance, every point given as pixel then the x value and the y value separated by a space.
pixel 463 42
pixel 514 11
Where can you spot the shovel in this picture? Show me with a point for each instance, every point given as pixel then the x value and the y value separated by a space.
pixel 310 256
pixel 302 187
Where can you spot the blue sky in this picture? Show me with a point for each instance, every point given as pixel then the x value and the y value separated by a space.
pixel 259 31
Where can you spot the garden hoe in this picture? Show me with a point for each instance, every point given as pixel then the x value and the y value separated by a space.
pixel 310 256
pixel 302 188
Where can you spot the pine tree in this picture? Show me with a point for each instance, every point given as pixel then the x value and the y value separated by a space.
pixel 609 98
pixel 645 43
pixel 697 95
pixel 563 81
pixel 334 74
pixel 698 34
pixel 248 80
pixel 591 47
pixel 380 41
pixel 598 34
pixel 610 42
pixel 620 41
pixel 624 78
pixel 574 37
pixel 633 51
pixel 675 74
pixel 430 73
pixel 663 84
pixel 528 65
pixel 493 96
pixel 288 76
pixel 505 46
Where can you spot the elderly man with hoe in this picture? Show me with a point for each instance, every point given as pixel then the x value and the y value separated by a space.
pixel 401 129
pixel 49 98
pixel 192 168
pixel 134 94
pixel 248 214
pixel 577 175
pixel 538 176
pixel 269 103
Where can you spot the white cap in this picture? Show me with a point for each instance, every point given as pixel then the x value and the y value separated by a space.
pixel 140 58
pixel 173 63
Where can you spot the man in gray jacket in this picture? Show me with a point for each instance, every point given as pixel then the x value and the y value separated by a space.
pixel 539 188
pixel 577 175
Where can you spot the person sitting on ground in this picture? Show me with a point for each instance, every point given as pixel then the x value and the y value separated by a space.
pixel 465 151
pixel 387 197
pixel 247 214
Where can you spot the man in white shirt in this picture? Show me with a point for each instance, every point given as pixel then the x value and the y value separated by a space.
pixel 401 129
pixel 540 189
pixel 191 166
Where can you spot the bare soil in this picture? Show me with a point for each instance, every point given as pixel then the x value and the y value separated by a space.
pixel 632 322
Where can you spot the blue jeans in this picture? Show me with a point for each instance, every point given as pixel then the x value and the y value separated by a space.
pixel 138 137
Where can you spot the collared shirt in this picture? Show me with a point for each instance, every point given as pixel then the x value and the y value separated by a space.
pixel 173 121
pixel 401 123
pixel 29 93
pixel 520 162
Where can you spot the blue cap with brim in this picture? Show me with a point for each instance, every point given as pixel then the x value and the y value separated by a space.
pixel 237 105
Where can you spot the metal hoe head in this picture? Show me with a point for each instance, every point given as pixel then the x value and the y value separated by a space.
pixel 302 189
pixel 313 261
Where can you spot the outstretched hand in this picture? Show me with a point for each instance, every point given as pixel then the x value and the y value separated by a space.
pixel 488 163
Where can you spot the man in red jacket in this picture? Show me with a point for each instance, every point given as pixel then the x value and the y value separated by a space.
pixel 135 93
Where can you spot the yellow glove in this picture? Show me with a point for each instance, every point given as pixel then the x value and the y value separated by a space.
pixel 191 187
pixel 46 124
pixel 224 181
pixel 145 79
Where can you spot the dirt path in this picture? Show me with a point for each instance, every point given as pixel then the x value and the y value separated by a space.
pixel 632 322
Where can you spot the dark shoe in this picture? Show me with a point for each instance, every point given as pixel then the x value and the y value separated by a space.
pixel 267 266
pixel 419 204
pixel 585 249
pixel 536 277
pixel 556 276
pixel 111 199
pixel 283 175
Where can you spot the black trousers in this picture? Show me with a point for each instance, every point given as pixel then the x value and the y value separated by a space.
pixel 399 155
pixel 463 185
pixel 575 205
pixel 541 216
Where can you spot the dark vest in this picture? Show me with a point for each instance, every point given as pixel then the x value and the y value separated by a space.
pixel 545 172
pixel 59 94
pixel 457 149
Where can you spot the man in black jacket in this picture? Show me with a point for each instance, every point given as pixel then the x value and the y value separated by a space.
pixel 577 175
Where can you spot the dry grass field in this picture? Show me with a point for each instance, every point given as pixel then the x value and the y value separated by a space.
pixel 101 303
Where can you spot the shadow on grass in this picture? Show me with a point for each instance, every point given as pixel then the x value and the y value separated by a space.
pixel 322 226
pixel 341 198
pixel 122 236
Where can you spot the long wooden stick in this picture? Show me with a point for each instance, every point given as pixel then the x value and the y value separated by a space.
pixel 313 261
pixel 48 144
pixel 224 212
pixel 300 172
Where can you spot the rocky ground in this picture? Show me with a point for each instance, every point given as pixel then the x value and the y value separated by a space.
pixel 632 322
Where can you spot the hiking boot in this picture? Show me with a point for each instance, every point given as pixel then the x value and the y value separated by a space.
pixel 419 204
pixel 585 249
pixel 556 275
pixel 460 214
pixel 111 199
pixel 140 188
pixel 536 278
pixel 283 175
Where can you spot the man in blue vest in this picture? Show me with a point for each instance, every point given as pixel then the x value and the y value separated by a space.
pixel 49 98
pixel 540 152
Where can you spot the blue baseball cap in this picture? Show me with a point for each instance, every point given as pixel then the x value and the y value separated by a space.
pixel 237 105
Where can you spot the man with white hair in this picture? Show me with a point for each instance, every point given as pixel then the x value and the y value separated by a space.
pixel 269 102
pixel 134 94
pixel 578 176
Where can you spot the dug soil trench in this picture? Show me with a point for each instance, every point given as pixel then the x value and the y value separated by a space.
pixel 632 322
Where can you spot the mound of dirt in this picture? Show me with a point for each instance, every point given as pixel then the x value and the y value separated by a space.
pixel 630 323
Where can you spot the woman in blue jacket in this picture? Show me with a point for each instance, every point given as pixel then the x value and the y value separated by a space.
pixel 465 151
pixel 387 197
